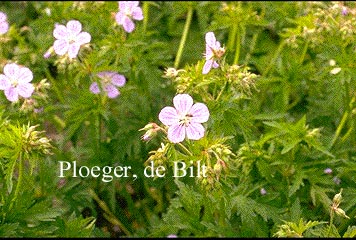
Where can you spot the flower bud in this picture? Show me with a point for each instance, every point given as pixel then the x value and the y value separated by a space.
pixel 341 213
pixel 337 198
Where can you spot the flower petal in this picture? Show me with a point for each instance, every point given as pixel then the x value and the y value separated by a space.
pixel 25 89
pixel 168 116
pixel 137 13
pixel 207 66
pixel 118 80
pixel 111 90
pixel 200 113
pixel 4 82
pixel 60 46
pixel 94 88
pixel 83 38
pixel 120 17
pixel 128 25
pixel 60 32
pixel 122 5
pixel 11 70
pixel 195 131
pixel 183 103
pixel 215 64
pixel 73 50
pixel 25 75
pixel 3 17
pixel 210 39
pixel 11 94
pixel 176 133
pixel 74 27
pixel 4 27
pixel 208 52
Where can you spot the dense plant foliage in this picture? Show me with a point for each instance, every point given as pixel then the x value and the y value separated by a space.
pixel 166 119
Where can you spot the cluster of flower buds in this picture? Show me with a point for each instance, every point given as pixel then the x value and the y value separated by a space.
pixel 34 141
pixel 335 206
pixel 151 131
pixel 242 81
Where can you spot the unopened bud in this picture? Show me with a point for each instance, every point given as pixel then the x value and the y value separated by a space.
pixel 337 198
pixel 341 213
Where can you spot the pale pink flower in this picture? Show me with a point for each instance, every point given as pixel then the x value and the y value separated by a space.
pixel 109 83
pixel 213 51
pixel 69 38
pixel 16 82
pixel 4 25
pixel 128 11
pixel 185 119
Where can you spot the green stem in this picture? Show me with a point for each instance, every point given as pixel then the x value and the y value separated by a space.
pixel 342 123
pixel 237 50
pixel 278 51
pixel 252 47
pixel 145 14
pixel 19 182
pixel 108 214
pixel 184 36
pixel 232 36
pixel 54 85
pixel 301 60
pixel 331 221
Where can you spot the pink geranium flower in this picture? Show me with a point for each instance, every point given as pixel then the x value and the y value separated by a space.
pixel 109 83
pixel 185 119
pixel 4 25
pixel 69 38
pixel 128 11
pixel 16 82
pixel 213 51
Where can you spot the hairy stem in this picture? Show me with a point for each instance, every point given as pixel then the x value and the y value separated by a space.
pixel 19 182
pixel 108 214
pixel 184 36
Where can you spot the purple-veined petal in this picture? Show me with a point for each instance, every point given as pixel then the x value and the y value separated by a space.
pixel 168 116
pixel 215 64
pixel 83 38
pixel 120 17
pixel 73 50
pixel 118 80
pixel 195 131
pixel 207 66
pixel 217 45
pixel 122 5
pixel 11 94
pixel 74 27
pixel 128 25
pixel 137 13
pixel 183 103
pixel 4 82
pixel 3 17
pixel 111 90
pixel 60 46
pixel 11 70
pixel 4 27
pixel 210 39
pixel 60 32
pixel 208 52
pixel 176 133
pixel 200 113
pixel 25 89
pixel 25 75
pixel 94 88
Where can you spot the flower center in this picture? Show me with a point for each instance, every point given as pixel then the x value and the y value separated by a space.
pixel 14 82
pixel 185 120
